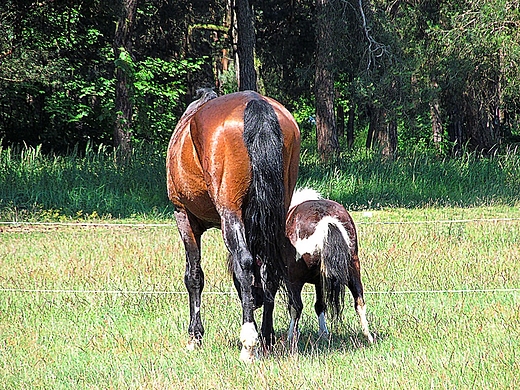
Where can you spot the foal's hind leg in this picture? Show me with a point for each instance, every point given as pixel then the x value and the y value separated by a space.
pixel 295 310
pixel 191 232
pixel 319 308
pixel 356 288
pixel 234 238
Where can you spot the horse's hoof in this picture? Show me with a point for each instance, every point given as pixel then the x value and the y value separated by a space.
pixel 370 338
pixel 249 339
pixel 247 355
pixel 193 344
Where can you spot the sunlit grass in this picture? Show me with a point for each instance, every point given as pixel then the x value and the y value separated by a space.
pixel 90 185
pixel 91 336
pixel 105 306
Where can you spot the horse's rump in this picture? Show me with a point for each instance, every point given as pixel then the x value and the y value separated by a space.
pixel 208 160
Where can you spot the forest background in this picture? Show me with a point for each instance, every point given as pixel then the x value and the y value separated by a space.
pixel 387 75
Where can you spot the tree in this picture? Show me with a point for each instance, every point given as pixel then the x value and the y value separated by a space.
pixel 464 57
pixel 440 74
pixel 245 46
pixel 326 132
pixel 123 89
pixel 483 48
pixel 384 72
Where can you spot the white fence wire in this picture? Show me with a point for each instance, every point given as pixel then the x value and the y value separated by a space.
pixel 171 225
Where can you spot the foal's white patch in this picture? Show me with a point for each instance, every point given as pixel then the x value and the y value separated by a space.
pixel 314 243
pixel 304 194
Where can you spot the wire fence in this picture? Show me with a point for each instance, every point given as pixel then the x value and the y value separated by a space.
pixel 170 225
pixel 153 292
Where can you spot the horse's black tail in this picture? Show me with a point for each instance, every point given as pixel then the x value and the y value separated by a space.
pixel 264 212
pixel 336 259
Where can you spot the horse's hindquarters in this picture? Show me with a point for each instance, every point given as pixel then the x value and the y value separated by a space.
pixel 231 163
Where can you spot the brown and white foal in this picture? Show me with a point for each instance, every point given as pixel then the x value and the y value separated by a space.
pixel 325 238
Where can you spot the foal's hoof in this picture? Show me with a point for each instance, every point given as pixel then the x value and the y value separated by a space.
pixel 193 344
pixel 370 338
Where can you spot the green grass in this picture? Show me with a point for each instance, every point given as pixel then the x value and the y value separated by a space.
pixel 84 338
pixel 82 185
pixel 363 181
pixel 89 185
pixel 76 308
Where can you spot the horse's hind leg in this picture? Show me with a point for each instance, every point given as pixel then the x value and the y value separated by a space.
pixel 270 285
pixel 242 261
pixel 356 288
pixel 193 277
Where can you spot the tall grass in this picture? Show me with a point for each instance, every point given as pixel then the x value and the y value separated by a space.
pixel 90 184
pixel 86 184
pixel 417 179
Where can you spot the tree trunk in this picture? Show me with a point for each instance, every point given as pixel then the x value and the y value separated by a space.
pixel 435 112
pixel 245 46
pixel 350 127
pixel 389 138
pixel 382 132
pixel 326 132
pixel 340 120
pixel 123 96
pixel 373 124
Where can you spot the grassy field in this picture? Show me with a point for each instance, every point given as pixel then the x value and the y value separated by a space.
pixel 104 306
pixel 89 185
pixel 92 336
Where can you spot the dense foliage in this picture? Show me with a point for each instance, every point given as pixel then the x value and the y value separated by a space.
pixel 435 73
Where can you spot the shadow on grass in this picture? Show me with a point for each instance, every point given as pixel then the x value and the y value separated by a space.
pixel 312 344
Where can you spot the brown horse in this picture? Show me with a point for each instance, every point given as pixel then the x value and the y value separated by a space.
pixel 325 239
pixel 232 163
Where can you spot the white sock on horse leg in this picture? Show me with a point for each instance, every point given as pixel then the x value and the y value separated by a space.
pixel 323 324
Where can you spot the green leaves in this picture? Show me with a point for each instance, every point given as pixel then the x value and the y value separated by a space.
pixel 158 88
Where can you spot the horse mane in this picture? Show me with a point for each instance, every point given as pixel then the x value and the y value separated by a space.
pixel 203 95
pixel 301 195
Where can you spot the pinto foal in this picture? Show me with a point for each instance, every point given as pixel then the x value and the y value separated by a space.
pixel 325 238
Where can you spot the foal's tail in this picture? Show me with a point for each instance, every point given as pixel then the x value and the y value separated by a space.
pixel 336 261
pixel 264 212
